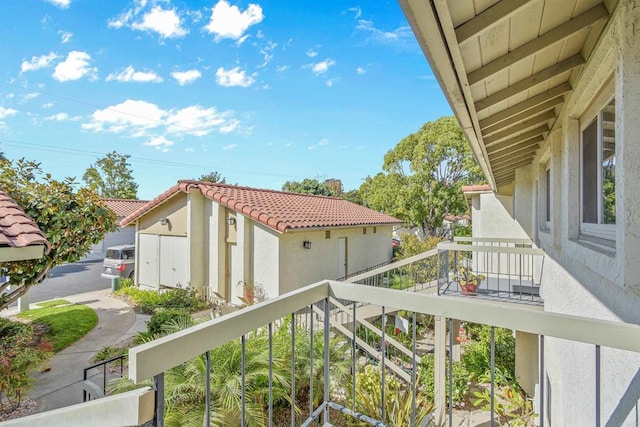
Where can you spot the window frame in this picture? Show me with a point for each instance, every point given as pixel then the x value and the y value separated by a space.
pixel 595 113
pixel 548 205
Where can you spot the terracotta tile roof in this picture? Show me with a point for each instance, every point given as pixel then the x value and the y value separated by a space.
pixel 475 188
pixel 278 210
pixel 17 230
pixel 124 207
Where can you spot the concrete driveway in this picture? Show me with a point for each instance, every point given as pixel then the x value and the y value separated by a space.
pixel 70 279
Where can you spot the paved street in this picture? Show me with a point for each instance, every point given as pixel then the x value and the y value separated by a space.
pixel 70 279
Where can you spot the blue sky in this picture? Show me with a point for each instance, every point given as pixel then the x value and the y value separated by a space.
pixel 263 92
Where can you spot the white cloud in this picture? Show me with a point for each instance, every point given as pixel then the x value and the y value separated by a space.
pixel 323 142
pixel 361 70
pixel 267 53
pixel 30 96
pixel 400 35
pixel 74 67
pixel 321 67
pixel 62 117
pixel 186 77
pixel 38 62
pixel 144 119
pixel 128 115
pixel 62 4
pixel 356 10
pixel 47 105
pixel 194 120
pixel 4 113
pixel 228 22
pixel 131 75
pixel 311 53
pixel 332 82
pixel 229 147
pixel 65 36
pixel 165 22
pixel 159 143
pixel 233 77
pixel 282 68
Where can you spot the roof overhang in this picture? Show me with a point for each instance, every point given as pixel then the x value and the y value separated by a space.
pixel 506 67
pixel 9 253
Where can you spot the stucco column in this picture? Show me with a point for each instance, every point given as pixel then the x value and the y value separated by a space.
pixel 556 187
pixel 455 354
pixel 440 366
pixel 523 197
pixel 570 180
pixel 628 144
pixel 195 239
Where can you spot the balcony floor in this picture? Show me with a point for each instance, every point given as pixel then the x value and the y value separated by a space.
pixel 495 295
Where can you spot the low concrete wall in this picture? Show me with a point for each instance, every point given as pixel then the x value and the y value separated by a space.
pixel 133 408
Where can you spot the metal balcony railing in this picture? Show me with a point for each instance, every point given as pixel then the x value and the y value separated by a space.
pixel 329 368
pixel 491 268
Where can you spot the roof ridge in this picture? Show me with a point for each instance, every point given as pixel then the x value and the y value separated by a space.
pixel 266 190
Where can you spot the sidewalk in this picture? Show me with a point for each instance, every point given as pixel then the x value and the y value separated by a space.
pixel 62 385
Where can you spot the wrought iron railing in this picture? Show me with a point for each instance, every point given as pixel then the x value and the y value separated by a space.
pixel 334 391
pixel 92 390
pixel 491 268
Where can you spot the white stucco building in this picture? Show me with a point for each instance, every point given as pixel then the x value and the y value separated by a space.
pixel 214 236
pixel 548 95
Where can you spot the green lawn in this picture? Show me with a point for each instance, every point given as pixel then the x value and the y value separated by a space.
pixel 67 322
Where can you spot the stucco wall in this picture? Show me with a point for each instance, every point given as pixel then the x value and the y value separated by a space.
pixel 300 267
pixel 582 276
pixel 266 258
pixel 175 209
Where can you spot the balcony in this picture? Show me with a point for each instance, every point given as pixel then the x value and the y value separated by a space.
pixel 509 269
pixel 321 326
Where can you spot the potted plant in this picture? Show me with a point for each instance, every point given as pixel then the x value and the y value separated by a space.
pixel 469 281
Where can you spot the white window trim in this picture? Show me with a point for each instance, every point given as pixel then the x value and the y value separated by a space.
pixel 595 111
pixel 548 200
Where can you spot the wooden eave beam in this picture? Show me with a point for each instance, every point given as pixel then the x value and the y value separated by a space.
pixel 530 48
pixel 527 83
pixel 506 180
pixel 528 148
pixel 545 106
pixel 507 161
pixel 518 138
pixel 523 126
pixel 520 108
pixel 505 168
pixel 488 18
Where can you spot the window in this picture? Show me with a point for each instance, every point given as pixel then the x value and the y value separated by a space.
pixel 327 234
pixel 364 230
pixel 547 217
pixel 598 163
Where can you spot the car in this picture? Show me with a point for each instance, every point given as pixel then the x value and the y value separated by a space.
pixel 119 262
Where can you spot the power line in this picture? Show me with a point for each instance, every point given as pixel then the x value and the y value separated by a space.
pixel 87 153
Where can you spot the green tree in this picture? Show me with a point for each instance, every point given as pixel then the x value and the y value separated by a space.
pixel 352 196
pixel 308 186
pixel 422 176
pixel 71 220
pixel 112 177
pixel 213 176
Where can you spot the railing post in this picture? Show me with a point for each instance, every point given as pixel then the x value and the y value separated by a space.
pixel 293 369
pixel 243 397
pixel 353 359
pixel 542 382
pixel 270 374
pixel 311 359
pixel 493 374
pixel 158 385
pixel 326 361
pixel 413 372
pixel 597 385
pixel 384 326
pixel 207 399
pixel 450 372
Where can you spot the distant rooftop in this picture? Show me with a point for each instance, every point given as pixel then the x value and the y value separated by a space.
pixel 124 207
pixel 278 210
pixel 17 229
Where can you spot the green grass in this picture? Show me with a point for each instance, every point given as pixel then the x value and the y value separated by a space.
pixel 53 303
pixel 67 324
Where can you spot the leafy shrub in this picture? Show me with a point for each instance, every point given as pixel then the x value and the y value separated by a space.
pixel 412 245
pixel 477 353
pixel 148 301
pixel 460 379
pixel 20 354
pixel 108 352
pixel 163 317
pixel 126 283
pixel 398 399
